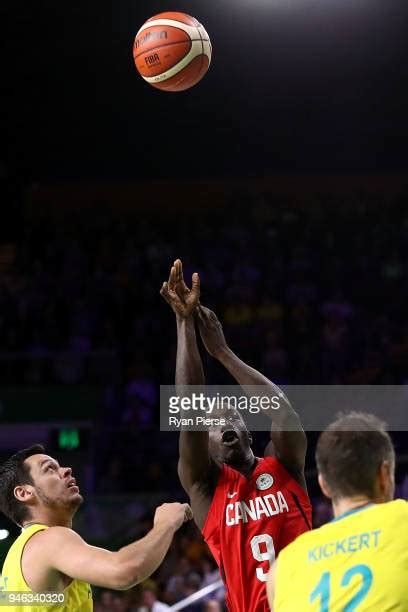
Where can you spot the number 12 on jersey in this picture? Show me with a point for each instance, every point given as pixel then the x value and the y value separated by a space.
pixel 361 573
pixel 266 555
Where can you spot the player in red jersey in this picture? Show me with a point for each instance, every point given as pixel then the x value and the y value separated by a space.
pixel 248 508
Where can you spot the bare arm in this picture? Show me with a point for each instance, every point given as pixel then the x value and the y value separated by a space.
pixel 288 440
pixel 195 468
pixel 61 549
pixel 194 465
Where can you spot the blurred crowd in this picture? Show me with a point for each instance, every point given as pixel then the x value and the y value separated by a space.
pixel 308 295
pixel 187 568
pixel 311 294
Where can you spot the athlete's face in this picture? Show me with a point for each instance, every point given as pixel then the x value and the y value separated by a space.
pixel 230 442
pixel 54 486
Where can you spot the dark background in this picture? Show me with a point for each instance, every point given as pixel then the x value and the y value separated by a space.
pixel 281 178
pixel 297 86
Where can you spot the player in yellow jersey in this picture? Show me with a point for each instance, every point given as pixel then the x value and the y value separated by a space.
pixel 42 498
pixel 359 561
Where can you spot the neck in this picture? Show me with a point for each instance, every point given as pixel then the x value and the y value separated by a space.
pixel 45 518
pixel 247 465
pixel 345 504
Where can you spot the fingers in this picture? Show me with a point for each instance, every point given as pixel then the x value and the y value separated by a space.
pixel 200 314
pixel 182 288
pixel 164 291
pixel 203 313
pixel 173 278
pixel 188 513
pixel 169 275
pixel 203 318
pixel 169 295
pixel 195 284
pixel 179 271
pixel 207 318
pixel 176 289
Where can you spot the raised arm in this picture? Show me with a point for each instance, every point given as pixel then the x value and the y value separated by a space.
pixel 288 440
pixel 197 472
pixel 61 549
pixel 194 462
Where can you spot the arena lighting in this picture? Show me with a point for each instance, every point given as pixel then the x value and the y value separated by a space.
pixel 4 534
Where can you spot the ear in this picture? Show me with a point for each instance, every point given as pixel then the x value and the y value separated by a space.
pixel 250 439
pixel 385 479
pixel 324 486
pixel 23 493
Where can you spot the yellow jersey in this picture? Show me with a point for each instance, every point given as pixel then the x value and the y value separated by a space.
pixel 77 597
pixel 356 563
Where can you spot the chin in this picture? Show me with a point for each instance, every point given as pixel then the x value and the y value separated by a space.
pixel 76 501
pixel 232 456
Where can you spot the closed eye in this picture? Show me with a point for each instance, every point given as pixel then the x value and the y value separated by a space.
pixel 50 466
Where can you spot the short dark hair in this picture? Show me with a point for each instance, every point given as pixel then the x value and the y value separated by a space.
pixel 14 472
pixel 350 451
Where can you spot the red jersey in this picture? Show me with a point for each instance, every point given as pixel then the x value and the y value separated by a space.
pixel 249 522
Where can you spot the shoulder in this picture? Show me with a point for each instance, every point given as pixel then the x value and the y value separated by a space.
pixel 285 476
pixel 397 508
pixel 270 461
pixel 40 552
pixel 400 505
pixel 220 479
pixel 51 537
pixel 391 512
pixel 204 479
pixel 227 473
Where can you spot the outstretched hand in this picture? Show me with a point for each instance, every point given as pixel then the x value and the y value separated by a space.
pixel 211 331
pixel 182 300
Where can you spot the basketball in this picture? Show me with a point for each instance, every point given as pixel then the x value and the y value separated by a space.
pixel 172 51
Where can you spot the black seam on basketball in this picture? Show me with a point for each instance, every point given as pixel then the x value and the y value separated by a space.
pixel 202 43
pixel 179 42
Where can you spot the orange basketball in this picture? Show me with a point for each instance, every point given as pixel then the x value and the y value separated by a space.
pixel 172 51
